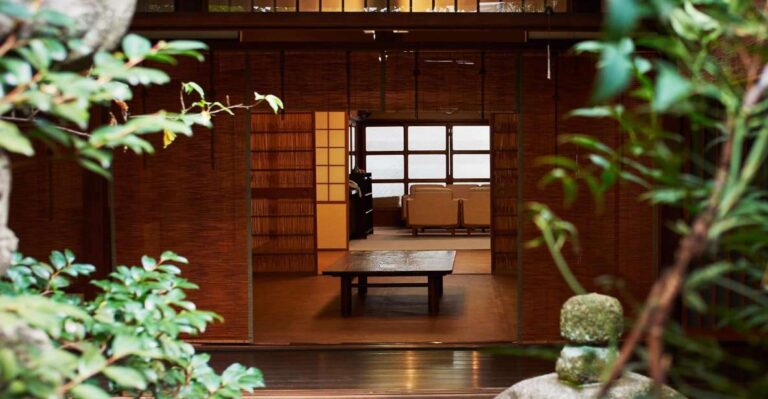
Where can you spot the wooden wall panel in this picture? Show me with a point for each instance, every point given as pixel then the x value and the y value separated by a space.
pixel 543 289
pixel 400 82
pixel 315 81
pixel 616 240
pixel 365 81
pixel 46 206
pixel 449 81
pixel 190 198
pixel 500 82
pixel 504 190
pixel 283 194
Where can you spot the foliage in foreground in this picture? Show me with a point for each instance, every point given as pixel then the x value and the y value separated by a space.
pixel 126 340
pixel 708 69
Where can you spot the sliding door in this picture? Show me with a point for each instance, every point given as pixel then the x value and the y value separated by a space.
pixel 283 191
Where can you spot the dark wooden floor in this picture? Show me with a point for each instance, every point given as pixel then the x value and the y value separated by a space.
pixel 379 373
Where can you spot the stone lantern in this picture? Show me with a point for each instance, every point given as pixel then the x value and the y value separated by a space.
pixel 591 325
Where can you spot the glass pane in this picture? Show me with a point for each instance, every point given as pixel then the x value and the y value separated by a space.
pixel 386 166
pixel 426 138
pixel 263 5
pixel 155 6
pixel 445 6
pixel 403 5
pixel 387 190
pixel 467 5
pixel 376 5
pixel 332 5
pixel 420 6
pixel 354 5
pixel 285 5
pixel 352 145
pixel 472 138
pixel 309 5
pixel 229 5
pixel 386 138
pixel 501 6
pixel 426 167
pixel 466 166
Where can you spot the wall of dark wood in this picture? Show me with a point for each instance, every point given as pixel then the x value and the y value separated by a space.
pixel 193 197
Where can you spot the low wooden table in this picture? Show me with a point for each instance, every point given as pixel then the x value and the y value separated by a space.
pixel 363 264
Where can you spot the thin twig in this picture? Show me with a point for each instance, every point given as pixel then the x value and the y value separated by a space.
pixel 30 120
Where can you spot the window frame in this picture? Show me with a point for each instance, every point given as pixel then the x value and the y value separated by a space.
pixel 361 152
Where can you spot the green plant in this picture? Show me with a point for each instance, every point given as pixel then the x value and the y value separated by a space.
pixel 127 339
pixel 709 69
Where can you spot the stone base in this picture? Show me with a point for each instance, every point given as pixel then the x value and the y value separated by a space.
pixel 548 386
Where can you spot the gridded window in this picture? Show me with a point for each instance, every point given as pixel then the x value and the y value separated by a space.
pixel 398 156
pixel 387 138
pixel 490 6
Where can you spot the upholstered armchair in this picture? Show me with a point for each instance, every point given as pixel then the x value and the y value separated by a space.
pixel 476 209
pixel 414 188
pixel 433 208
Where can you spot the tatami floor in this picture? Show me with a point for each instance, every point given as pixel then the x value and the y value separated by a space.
pixel 476 307
pixel 400 238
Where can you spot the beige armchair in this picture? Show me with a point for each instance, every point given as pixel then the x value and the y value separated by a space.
pixel 432 208
pixel 414 188
pixel 476 209
pixel 461 191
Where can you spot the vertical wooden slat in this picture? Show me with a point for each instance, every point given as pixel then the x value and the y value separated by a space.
pixel 283 192
pixel 179 202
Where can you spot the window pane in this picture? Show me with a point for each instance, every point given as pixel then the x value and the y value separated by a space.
pixel 332 5
pixel 354 5
pixel 376 6
pixel 285 5
pixel 309 5
pixel 426 167
pixel 155 6
pixel 263 5
pixel 472 138
pixel 444 6
pixel 466 166
pixel 467 5
pixel 385 166
pixel 387 138
pixel 501 6
pixel 426 138
pixel 387 190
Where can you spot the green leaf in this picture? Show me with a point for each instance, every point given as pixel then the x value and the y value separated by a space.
pixel 12 140
pixel 126 377
pixel 189 87
pixel 87 391
pixel 172 257
pixel 671 87
pixel 614 70
pixel 148 263
pixel 621 17
pixel 123 345
pixel 136 47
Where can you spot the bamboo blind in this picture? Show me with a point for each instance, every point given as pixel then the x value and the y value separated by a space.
pixel 283 192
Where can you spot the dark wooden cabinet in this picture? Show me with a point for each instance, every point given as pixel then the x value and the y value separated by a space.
pixel 361 207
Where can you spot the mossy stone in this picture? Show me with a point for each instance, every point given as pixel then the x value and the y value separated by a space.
pixel 591 319
pixel 579 365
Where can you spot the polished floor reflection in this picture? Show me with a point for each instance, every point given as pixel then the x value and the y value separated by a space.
pixel 380 373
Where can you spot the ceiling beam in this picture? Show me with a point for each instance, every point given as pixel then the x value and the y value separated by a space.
pixel 365 21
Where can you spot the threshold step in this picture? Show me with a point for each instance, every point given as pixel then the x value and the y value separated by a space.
pixel 475 393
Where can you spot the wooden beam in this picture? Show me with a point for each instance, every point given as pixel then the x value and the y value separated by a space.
pixel 200 21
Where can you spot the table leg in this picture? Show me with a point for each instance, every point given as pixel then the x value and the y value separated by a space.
pixel 362 285
pixel 434 297
pixel 440 286
pixel 346 295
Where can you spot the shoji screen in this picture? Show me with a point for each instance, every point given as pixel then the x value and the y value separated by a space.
pixel 331 179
